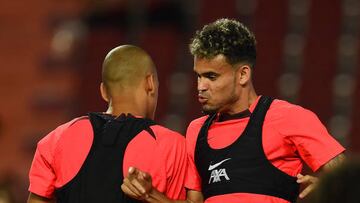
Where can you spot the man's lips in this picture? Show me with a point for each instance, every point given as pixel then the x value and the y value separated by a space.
pixel 202 99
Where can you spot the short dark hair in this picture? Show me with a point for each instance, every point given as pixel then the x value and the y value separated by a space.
pixel 227 37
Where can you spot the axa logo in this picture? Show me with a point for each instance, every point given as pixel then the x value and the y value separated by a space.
pixel 216 174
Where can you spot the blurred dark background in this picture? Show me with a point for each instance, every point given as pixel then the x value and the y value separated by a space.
pixel 51 54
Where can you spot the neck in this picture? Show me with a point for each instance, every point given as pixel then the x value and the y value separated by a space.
pixel 247 97
pixel 116 108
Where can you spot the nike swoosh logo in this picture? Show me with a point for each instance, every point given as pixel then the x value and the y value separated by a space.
pixel 211 167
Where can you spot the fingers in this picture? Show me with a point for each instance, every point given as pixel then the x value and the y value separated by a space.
pixel 307 179
pixel 145 176
pixel 129 192
pixel 145 183
pixel 300 178
pixel 129 188
pixel 137 184
pixel 132 172
pixel 307 190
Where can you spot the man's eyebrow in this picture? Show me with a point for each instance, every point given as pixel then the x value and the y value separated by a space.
pixel 206 73
pixel 210 73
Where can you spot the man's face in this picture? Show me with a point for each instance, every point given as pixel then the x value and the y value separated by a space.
pixel 154 99
pixel 217 89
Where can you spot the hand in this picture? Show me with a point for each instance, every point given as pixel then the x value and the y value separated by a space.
pixel 311 182
pixel 137 184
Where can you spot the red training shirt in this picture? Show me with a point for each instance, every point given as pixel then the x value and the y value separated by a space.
pixel 61 153
pixel 291 134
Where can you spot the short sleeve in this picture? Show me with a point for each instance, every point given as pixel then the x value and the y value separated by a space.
pixel 164 158
pixel 193 180
pixel 41 175
pixel 176 163
pixel 312 141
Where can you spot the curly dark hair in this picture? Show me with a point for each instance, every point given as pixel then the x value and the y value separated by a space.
pixel 228 37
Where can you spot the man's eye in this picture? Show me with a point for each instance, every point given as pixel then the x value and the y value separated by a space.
pixel 212 77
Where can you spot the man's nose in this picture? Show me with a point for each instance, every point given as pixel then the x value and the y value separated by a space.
pixel 201 85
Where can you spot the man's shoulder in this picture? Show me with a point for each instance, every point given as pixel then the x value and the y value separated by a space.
pixel 279 103
pixel 288 113
pixel 71 127
pixel 285 107
pixel 198 122
pixel 164 133
pixel 194 128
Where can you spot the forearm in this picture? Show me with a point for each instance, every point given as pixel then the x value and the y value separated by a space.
pixel 333 163
pixel 33 198
pixel 312 181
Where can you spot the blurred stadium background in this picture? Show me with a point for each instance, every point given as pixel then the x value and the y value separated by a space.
pixel 51 54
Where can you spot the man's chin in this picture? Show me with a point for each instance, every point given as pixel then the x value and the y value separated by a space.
pixel 209 111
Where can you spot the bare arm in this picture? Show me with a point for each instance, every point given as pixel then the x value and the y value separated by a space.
pixel 311 181
pixel 33 198
pixel 333 163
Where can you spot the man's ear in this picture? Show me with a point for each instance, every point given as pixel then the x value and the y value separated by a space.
pixel 104 93
pixel 150 83
pixel 243 74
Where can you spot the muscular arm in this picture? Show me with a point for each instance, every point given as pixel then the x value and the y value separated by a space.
pixel 333 163
pixel 311 180
pixel 33 198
